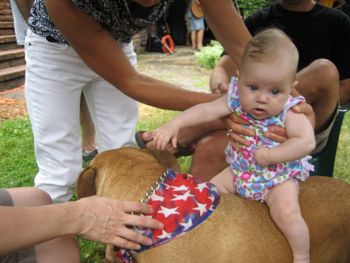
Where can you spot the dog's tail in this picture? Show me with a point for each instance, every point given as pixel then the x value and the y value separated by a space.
pixel 86 184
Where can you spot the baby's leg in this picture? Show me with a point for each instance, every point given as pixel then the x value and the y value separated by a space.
pixel 285 211
pixel 224 181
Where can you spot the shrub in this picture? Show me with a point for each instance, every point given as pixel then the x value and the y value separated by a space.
pixel 209 56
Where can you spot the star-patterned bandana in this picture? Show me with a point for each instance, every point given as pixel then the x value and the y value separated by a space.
pixel 180 202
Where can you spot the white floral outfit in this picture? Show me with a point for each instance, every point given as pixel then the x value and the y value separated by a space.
pixel 250 179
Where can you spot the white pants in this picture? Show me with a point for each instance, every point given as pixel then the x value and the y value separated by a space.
pixel 55 78
pixel 19 23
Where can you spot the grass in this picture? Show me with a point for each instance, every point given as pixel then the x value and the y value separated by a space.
pixel 18 167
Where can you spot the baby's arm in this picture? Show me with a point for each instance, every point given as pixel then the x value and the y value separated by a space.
pixel 195 115
pixel 300 142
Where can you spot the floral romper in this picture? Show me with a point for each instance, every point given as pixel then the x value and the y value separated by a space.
pixel 251 180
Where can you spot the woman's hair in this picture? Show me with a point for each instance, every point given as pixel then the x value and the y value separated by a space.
pixel 271 44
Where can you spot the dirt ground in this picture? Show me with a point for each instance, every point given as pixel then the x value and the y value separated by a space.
pixel 179 68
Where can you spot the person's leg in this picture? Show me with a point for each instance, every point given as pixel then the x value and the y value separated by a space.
pixel 285 212
pixel 200 35
pixel 114 114
pixel 319 84
pixel 224 181
pixel 62 249
pixel 53 104
pixel 88 133
pixel 209 157
pixel 193 39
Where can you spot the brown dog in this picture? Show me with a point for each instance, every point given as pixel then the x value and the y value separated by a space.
pixel 239 230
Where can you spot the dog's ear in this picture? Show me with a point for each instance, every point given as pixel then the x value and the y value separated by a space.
pixel 86 183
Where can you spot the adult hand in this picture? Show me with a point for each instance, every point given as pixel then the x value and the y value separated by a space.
pixel 279 134
pixel 237 130
pixel 107 220
pixel 218 85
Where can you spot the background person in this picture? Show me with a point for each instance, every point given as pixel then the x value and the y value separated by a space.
pixel 196 26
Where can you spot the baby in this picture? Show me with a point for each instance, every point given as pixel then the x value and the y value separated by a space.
pixel 266 170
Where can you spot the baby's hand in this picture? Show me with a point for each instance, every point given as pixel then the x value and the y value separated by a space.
pixel 261 156
pixel 164 134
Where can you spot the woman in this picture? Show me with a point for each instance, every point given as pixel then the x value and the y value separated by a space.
pixel 75 46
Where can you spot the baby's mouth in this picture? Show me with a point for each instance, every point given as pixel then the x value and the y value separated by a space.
pixel 258 112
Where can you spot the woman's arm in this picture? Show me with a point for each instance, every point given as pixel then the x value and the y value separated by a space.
pixel 101 52
pixel 95 218
pixel 227 26
pixel 300 142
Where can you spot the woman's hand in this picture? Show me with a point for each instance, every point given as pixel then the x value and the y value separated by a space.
pixel 107 220
pixel 279 134
pixel 236 129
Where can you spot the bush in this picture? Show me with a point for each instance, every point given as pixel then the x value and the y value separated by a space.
pixel 209 56
pixel 249 7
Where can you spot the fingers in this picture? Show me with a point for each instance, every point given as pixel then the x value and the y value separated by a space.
pixel 277 134
pixel 239 139
pixel 174 142
pixel 223 87
pixel 141 221
pixel 130 239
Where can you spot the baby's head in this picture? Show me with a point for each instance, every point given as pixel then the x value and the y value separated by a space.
pixel 267 73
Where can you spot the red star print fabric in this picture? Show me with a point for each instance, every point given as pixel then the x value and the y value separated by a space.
pixel 180 202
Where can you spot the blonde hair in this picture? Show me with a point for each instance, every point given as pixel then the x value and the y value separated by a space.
pixel 269 44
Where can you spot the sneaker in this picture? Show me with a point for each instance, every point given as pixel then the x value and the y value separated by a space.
pixel 89 155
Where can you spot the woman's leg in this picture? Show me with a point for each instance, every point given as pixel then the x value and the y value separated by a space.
pixel 114 114
pixel 285 211
pixel 55 77
pixel 62 249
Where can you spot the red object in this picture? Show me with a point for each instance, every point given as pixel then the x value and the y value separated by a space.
pixel 168 45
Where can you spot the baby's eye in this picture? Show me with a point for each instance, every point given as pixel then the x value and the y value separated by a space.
pixel 275 91
pixel 253 87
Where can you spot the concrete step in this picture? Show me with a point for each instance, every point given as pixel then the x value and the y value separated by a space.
pixel 11 77
pixel 6 28
pixel 8 42
pixel 6 18
pixel 5 11
pixel 10 58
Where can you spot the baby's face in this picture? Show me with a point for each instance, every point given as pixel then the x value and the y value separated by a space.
pixel 264 87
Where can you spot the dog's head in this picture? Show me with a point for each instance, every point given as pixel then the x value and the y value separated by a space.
pixel 124 173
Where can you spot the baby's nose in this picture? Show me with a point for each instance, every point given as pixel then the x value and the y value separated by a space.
pixel 261 98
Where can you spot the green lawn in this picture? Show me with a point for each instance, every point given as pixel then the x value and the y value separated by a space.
pixel 18 167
